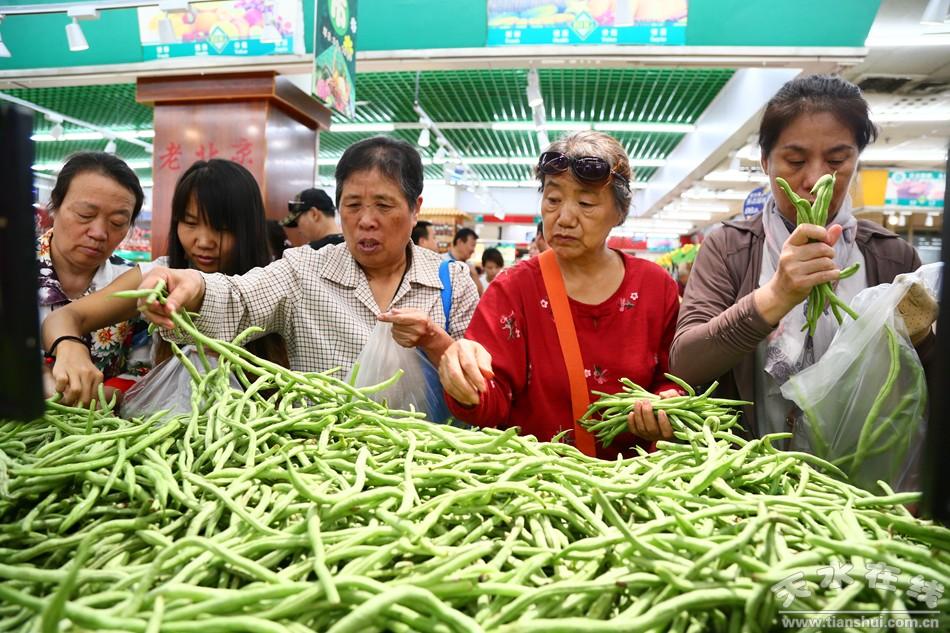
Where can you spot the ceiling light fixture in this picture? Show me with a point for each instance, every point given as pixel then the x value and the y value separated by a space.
pixel 55 132
pixel 929 221
pixel 424 138
pixel 110 146
pixel 74 35
pixel 75 38
pixel 533 91
pixel 4 51
pixel 937 12
pixel 726 175
pixel 645 126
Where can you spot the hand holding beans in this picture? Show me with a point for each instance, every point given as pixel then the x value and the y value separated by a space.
pixel 74 373
pixel 186 290
pixel 806 261
pixel 650 426
pixel 465 370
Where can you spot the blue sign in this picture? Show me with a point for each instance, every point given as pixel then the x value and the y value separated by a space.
pixel 755 201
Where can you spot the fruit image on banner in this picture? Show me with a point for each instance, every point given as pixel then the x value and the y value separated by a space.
pixel 227 28
pixel 512 22
pixel 334 72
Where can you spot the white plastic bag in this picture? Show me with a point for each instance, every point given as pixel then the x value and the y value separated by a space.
pixel 167 387
pixel 864 401
pixel 417 389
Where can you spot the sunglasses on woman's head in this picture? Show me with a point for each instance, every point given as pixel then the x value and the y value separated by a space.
pixel 591 169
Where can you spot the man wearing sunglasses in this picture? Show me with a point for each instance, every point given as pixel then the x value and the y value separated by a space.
pixel 314 217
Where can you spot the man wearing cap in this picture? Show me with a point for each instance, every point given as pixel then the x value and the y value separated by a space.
pixel 314 215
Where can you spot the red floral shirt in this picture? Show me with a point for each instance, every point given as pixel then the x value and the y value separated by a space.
pixel 626 336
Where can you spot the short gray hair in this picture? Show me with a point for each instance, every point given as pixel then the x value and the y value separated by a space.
pixel 600 145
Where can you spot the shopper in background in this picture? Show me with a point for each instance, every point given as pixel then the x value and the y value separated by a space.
pixel 682 275
pixel 462 249
pixel 540 244
pixel 277 239
pixel 326 302
pixel 493 263
pixel 423 234
pixel 312 213
pixel 217 225
pixel 510 368
pixel 94 203
pixel 749 282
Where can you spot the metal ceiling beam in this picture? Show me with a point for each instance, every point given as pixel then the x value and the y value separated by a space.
pixel 724 126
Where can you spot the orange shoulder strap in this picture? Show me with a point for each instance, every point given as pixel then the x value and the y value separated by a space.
pixel 570 348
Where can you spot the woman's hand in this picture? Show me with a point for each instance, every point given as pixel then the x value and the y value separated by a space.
pixel 465 370
pixel 74 374
pixel 807 260
pixel 186 290
pixel 650 426
pixel 411 327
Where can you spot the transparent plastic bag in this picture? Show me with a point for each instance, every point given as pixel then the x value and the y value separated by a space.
pixel 167 387
pixel 417 389
pixel 864 402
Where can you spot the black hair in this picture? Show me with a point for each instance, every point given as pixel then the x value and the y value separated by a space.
pixel 817 93
pixel 103 163
pixel 463 234
pixel 277 238
pixel 493 255
pixel 229 199
pixel 394 158
pixel 420 230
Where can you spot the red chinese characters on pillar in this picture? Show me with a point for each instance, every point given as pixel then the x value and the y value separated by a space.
pixel 207 153
pixel 242 153
pixel 170 158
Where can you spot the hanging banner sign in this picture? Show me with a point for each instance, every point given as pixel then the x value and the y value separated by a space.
pixel 231 28
pixel 919 188
pixel 334 73
pixel 533 22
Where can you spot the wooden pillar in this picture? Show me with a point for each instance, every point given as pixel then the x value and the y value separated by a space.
pixel 260 120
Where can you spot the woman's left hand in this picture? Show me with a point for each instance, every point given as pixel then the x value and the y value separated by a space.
pixel 650 426
pixel 411 328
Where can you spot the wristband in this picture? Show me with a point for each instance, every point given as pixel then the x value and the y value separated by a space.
pixel 50 356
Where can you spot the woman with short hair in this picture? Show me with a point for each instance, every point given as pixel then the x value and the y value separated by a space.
pixel 326 302
pixel 511 369
pixel 94 203
pixel 743 307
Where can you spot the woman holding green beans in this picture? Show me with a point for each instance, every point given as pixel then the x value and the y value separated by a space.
pixel 746 304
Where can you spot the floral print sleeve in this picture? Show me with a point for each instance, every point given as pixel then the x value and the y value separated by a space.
pixel 111 346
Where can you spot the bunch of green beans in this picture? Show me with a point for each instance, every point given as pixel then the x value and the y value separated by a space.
pixel 317 509
pixel 607 417
pixel 817 213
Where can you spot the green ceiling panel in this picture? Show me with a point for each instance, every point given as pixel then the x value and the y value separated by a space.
pixel 110 106
pixel 476 97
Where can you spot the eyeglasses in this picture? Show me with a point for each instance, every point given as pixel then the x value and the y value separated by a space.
pixel 591 169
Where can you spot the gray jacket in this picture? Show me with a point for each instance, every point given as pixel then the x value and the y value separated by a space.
pixel 719 327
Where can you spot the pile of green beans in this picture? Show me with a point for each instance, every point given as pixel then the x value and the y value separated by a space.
pixel 607 417
pixel 817 213
pixel 297 504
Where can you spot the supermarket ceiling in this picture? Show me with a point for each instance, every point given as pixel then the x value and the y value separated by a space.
pixel 480 106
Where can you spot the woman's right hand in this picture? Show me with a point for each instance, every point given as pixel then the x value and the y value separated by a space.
pixel 807 260
pixel 75 375
pixel 465 370
pixel 186 290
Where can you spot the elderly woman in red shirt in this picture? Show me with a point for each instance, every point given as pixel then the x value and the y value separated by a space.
pixel 613 313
